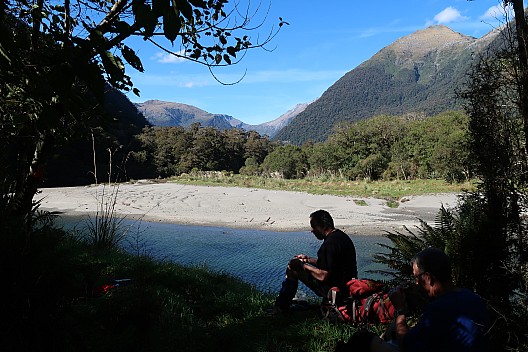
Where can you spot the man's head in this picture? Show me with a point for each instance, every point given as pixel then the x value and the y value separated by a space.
pixel 432 271
pixel 321 223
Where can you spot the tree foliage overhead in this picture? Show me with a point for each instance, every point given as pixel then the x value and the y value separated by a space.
pixel 57 57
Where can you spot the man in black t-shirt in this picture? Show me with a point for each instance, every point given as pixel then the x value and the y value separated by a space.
pixel 334 266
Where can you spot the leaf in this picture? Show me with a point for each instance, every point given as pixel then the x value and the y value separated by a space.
pixel 120 27
pixel 144 17
pixel 195 54
pixel 135 91
pixel 227 59
pixel 218 58
pixel 184 8
pixel 223 40
pixel 171 25
pixel 198 3
pixel 231 50
pixel 160 7
pixel 140 10
pixel 130 56
pixel 113 66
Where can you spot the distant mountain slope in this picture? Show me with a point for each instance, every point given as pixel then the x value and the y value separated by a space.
pixel 271 128
pixel 417 73
pixel 163 113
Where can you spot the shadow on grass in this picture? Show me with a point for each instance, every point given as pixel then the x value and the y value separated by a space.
pixel 54 302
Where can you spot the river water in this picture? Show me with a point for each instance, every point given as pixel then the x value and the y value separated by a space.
pixel 255 256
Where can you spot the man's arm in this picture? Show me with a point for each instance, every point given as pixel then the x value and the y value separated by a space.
pixel 397 298
pixel 317 273
pixel 401 328
pixel 303 262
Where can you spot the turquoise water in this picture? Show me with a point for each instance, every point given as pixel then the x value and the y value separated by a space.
pixel 255 256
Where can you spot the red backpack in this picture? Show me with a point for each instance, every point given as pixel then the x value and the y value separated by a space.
pixel 366 302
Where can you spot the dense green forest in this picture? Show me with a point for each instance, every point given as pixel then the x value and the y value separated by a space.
pixel 383 147
pixel 170 151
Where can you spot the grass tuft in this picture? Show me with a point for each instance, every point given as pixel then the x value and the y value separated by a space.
pixel 391 203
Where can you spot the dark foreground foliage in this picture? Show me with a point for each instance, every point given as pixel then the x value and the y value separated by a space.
pixel 477 262
pixel 53 301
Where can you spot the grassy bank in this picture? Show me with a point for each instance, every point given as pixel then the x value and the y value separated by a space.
pixel 379 189
pixel 55 303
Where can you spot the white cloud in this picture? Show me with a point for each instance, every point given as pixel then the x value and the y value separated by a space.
pixel 166 58
pixel 448 15
pixel 497 12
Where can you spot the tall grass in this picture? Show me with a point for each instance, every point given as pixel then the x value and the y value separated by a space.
pixel 105 229
pixel 327 184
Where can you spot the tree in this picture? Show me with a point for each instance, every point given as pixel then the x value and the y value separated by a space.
pixel 55 58
pixel 322 158
pixel 521 31
pixel 288 160
pixel 486 236
pixel 257 146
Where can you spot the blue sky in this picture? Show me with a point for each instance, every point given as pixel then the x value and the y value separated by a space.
pixel 323 41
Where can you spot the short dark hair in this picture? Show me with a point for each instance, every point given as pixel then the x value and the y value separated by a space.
pixel 435 262
pixel 323 219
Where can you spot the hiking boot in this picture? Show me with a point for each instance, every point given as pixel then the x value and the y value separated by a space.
pixel 276 310
pixel 298 305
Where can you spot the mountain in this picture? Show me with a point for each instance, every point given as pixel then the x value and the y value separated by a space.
pixel 164 113
pixel 271 128
pixel 418 73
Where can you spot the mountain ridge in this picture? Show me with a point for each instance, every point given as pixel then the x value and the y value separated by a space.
pixel 416 73
pixel 164 113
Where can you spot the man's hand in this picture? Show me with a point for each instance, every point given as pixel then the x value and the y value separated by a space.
pixel 302 257
pixel 306 259
pixel 296 264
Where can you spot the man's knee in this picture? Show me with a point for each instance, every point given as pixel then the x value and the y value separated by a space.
pixel 295 268
pixel 291 274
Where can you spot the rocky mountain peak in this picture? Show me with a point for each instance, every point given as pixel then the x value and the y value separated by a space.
pixel 421 43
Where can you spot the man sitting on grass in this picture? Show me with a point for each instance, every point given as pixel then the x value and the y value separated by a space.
pixel 455 319
pixel 334 266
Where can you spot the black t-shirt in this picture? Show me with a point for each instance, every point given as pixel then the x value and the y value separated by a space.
pixel 338 256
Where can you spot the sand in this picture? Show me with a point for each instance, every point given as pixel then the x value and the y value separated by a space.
pixel 243 207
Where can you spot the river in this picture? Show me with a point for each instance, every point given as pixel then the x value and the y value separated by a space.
pixel 255 256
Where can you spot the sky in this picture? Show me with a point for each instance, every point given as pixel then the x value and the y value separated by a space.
pixel 323 41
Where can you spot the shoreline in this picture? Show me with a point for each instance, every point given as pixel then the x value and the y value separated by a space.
pixel 243 208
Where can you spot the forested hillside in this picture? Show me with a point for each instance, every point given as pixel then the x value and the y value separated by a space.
pixel 108 141
pixel 383 147
pixel 416 74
